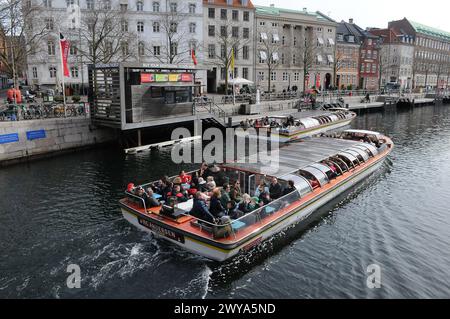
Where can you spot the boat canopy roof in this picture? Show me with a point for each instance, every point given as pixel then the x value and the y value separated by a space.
pixel 309 122
pixel 295 156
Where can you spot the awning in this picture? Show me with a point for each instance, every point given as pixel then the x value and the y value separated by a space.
pixel 263 55
pixel 264 36
pixel 331 41
pixel 319 58
pixel 320 40
pixel 275 56
pixel 276 38
pixel 330 58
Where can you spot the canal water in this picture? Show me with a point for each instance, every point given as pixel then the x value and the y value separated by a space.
pixel 64 210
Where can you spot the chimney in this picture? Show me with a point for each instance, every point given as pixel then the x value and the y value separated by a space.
pixel 350 20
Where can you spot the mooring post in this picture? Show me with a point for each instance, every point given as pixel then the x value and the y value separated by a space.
pixel 139 137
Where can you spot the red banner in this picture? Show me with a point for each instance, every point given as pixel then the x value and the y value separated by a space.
pixel 317 81
pixel 186 77
pixel 64 54
pixel 147 78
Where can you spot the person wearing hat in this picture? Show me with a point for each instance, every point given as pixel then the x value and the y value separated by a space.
pixel 201 184
pixel 225 195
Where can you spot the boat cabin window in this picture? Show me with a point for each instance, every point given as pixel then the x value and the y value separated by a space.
pixel 342 164
pixel 312 180
pixel 301 184
pixel 362 153
pixel 335 169
pixel 356 154
pixel 346 160
pixel 352 158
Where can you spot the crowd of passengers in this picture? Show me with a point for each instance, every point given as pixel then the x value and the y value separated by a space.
pixel 213 196
pixel 265 122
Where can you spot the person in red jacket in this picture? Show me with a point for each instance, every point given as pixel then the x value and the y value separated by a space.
pixel 185 178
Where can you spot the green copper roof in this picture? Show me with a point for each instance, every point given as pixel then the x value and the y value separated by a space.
pixel 421 28
pixel 277 11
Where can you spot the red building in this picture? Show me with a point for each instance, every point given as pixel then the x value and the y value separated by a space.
pixel 368 71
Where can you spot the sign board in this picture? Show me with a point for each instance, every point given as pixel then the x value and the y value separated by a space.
pixel 9 138
pixel 35 135
pixel 161 77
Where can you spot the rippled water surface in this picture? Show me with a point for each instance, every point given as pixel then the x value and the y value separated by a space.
pixel 64 210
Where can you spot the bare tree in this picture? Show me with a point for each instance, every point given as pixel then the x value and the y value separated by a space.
pixel 271 48
pixel 104 34
pixel 308 50
pixel 339 59
pixel 176 28
pixel 229 40
pixel 22 31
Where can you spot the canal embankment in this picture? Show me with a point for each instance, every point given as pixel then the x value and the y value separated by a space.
pixel 24 140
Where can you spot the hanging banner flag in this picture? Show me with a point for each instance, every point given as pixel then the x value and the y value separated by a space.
pixel 317 81
pixel 232 64
pixel 194 58
pixel 64 44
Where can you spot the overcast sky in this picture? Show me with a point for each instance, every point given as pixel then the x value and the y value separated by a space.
pixel 375 13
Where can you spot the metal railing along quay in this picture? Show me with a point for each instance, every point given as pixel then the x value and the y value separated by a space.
pixel 36 111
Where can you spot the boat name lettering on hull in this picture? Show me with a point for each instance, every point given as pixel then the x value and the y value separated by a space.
pixel 161 230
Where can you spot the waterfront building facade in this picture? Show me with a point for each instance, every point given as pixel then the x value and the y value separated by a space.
pixel 396 58
pixel 228 28
pixel 113 31
pixel 347 59
pixel 294 49
pixel 431 65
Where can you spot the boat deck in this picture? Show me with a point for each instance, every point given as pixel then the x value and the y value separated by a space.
pixel 294 156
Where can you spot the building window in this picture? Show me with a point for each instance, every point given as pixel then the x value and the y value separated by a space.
pixel 35 73
pixel 285 76
pixel 211 31
pixel 47 3
pixel 211 51
pixel 223 51
pixel 141 49
pixel 49 24
pixel 245 73
pixel 273 76
pixel 74 71
pixel 173 7
pixel 140 26
pixel 51 48
pixel 296 76
pixel 139 6
pixel 73 50
pixel 124 48
pixel 192 8
pixel 155 6
pixel 235 15
pixel 246 33
pixel 223 31
pixel 211 13
pixel 245 52
pixel 294 59
pixel 223 14
pixel 124 26
pixel 192 27
pixel 235 32
pixel 89 4
pixel 107 4
pixel 156 50
pixel 123 7
pixel 261 76
pixel 52 71
pixel 246 16
pixel 156 27
pixel 174 49
pixel 70 3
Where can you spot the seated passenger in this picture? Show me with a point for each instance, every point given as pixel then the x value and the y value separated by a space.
pixel 210 183
pixel 314 183
pixel 232 210
pixel 215 206
pixel 185 178
pixel 262 188
pixel 225 198
pixel 130 188
pixel 265 198
pixel 235 193
pixel 255 204
pixel 150 200
pixel 200 209
pixel 275 189
pixel 180 195
pixel 244 205
pixel 290 188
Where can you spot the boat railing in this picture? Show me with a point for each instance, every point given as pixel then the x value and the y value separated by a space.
pixel 140 199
